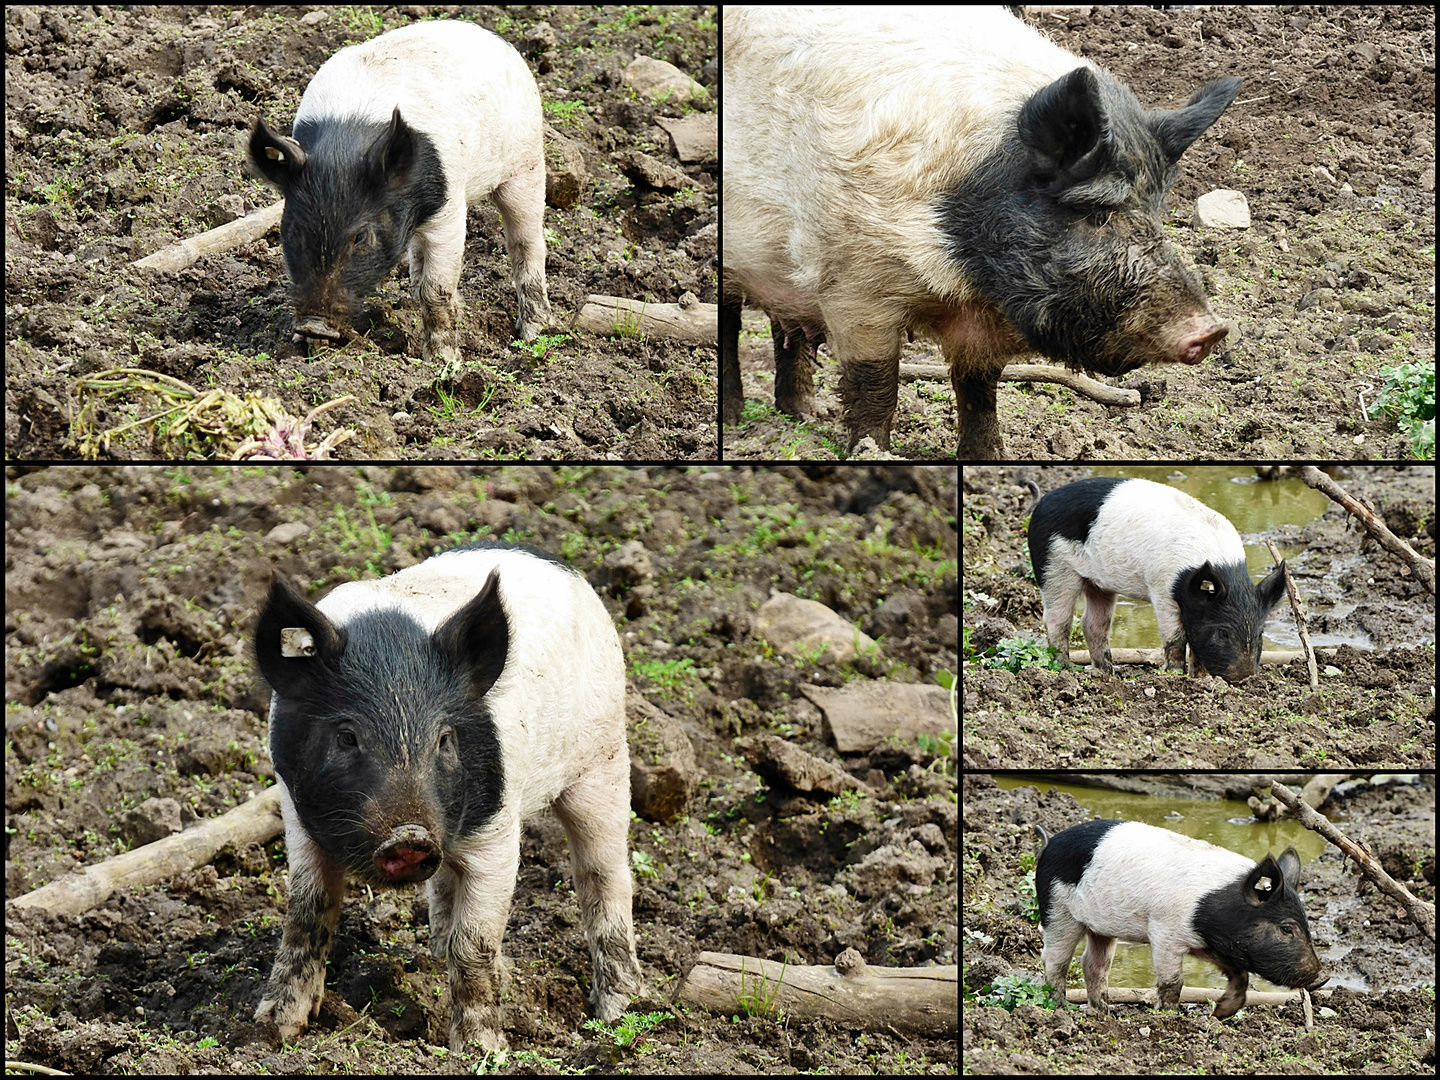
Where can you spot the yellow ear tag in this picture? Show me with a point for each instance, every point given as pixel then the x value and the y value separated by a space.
pixel 296 641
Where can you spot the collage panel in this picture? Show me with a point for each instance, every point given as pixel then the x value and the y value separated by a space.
pixel 1122 232
pixel 1159 923
pixel 418 234
pixel 292 749
pixel 1228 616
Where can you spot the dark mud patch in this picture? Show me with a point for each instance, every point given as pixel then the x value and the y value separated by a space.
pixel 130 596
pixel 1362 936
pixel 127 134
pixel 1372 708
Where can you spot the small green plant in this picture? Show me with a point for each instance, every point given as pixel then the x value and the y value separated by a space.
pixel 757 996
pixel 629 1030
pixel 644 865
pixel 1409 394
pixel 543 345
pixel 1009 991
pixel 1016 653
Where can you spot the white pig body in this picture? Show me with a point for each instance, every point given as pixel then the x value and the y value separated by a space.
pixel 416 722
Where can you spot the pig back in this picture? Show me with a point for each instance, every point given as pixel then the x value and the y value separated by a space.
pixel 456 82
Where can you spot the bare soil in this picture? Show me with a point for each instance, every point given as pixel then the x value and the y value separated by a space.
pixel 130 595
pixel 126 130
pixel 1363 937
pixel 1373 708
pixel 1332 143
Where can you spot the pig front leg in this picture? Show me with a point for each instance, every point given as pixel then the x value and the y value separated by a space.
pixel 1172 633
pixel 1095 625
pixel 297 981
pixel 1168 960
pixel 794 370
pixel 975 401
pixel 869 379
pixel 595 811
pixel 521 200
pixel 436 252
pixel 469 905
pixel 1233 999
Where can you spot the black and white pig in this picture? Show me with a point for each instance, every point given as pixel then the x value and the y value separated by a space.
pixel 951 172
pixel 1121 880
pixel 394 138
pixel 416 721
pixel 1107 536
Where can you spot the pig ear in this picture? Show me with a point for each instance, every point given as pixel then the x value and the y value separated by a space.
pixel 1206 585
pixel 1176 131
pixel 293 638
pixel 1290 867
pixel 1272 588
pixel 476 639
pixel 1266 882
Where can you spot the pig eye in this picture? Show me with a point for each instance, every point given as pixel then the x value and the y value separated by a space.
pixel 347 738
pixel 1099 219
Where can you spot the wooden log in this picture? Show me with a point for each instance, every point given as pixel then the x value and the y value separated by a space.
pixel 256 821
pixel 1132 995
pixel 689 320
pixel 241 231
pixel 1156 657
pixel 921 1001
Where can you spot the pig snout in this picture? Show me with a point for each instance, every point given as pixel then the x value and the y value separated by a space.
pixel 315 326
pixel 1197 338
pixel 410 854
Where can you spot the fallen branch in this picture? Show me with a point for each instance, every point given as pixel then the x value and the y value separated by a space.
pixel 1424 568
pixel 921 1001
pixel 1421 913
pixel 240 231
pixel 689 320
pixel 1156 657
pixel 1104 393
pixel 257 821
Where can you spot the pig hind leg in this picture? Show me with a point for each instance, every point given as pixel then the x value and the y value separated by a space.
pixel 595 811
pixel 1061 590
pixel 521 200
pixel 732 400
pixel 1099 951
pixel 1061 936
pixel 469 905
pixel 794 370
pixel 869 380
pixel 1099 612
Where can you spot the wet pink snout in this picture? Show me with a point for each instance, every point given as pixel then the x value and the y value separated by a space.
pixel 1198 341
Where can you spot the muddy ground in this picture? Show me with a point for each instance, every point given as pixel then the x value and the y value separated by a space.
pixel 126 130
pixel 1363 937
pixel 1331 142
pixel 1373 707
pixel 130 594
